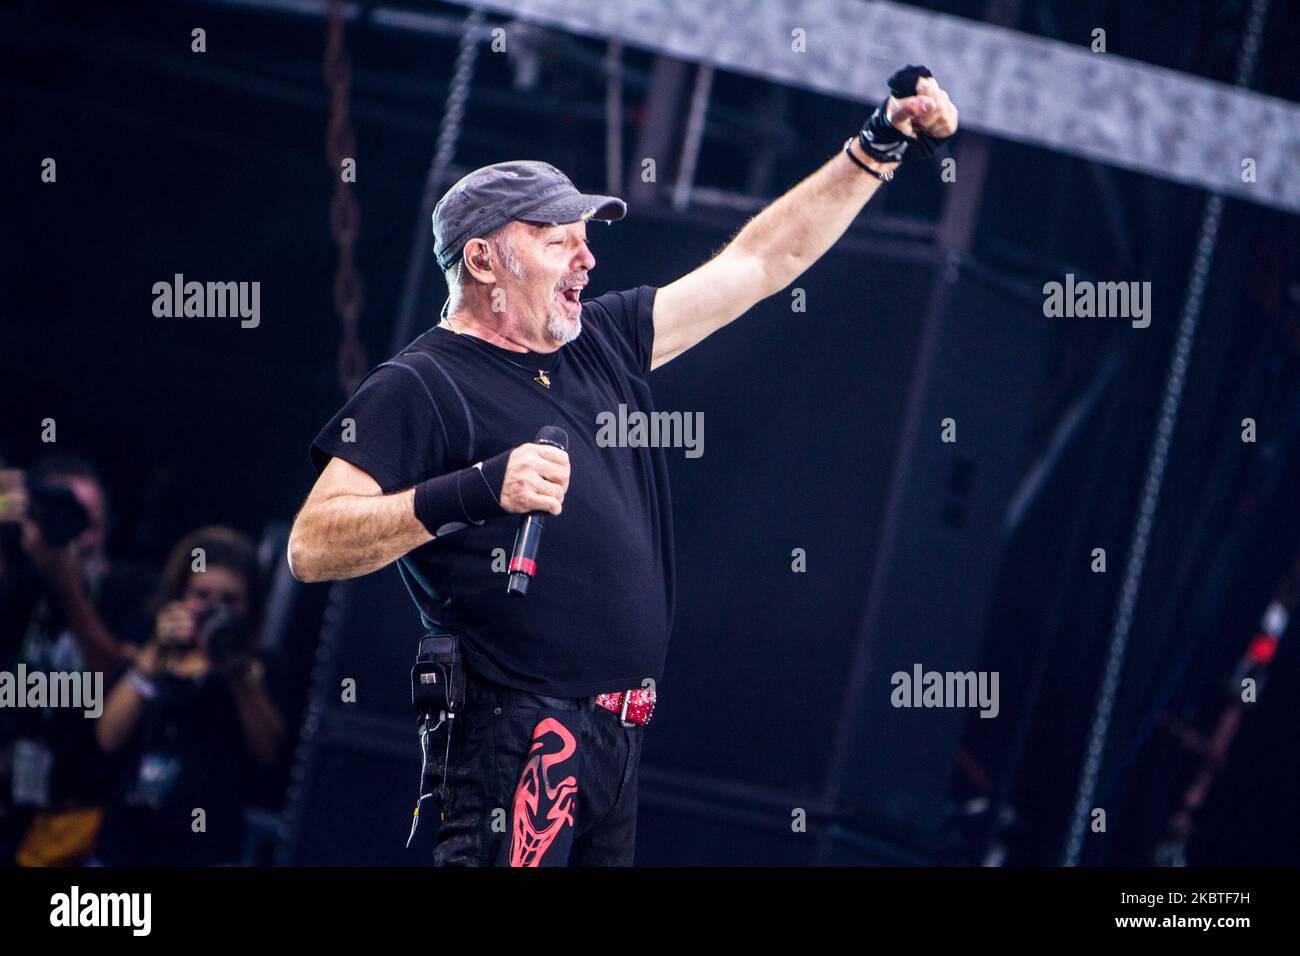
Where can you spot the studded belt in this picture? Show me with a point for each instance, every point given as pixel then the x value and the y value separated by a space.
pixel 633 707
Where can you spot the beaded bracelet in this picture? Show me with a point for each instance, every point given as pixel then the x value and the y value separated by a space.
pixel 884 177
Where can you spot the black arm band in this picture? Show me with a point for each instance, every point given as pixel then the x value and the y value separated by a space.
pixel 467 497
pixel 883 141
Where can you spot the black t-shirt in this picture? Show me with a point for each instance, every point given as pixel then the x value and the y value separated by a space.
pixel 597 615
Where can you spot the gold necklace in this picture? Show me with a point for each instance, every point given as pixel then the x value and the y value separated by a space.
pixel 541 378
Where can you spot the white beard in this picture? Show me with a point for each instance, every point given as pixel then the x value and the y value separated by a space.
pixel 563 329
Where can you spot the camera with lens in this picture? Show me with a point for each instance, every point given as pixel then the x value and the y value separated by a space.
pixel 56 511
pixel 223 632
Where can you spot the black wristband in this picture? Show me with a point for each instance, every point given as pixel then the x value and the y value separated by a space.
pixel 879 137
pixel 470 496
pixel 883 141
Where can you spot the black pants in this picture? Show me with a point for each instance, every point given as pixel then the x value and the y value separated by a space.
pixel 490 748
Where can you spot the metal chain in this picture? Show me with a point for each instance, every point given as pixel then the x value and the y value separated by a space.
pixel 345 212
pixel 1157 462
pixel 449 128
pixel 454 113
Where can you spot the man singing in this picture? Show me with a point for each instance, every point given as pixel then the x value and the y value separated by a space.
pixel 434 454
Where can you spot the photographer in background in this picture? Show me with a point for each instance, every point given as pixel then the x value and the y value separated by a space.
pixel 193 714
pixel 64 606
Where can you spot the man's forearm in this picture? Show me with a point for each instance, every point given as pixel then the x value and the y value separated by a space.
pixel 121 716
pixel 100 649
pixel 259 718
pixel 349 535
pixel 797 228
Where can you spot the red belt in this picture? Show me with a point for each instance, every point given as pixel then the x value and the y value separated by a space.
pixel 632 706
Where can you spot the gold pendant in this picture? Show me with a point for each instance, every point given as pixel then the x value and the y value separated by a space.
pixel 541 379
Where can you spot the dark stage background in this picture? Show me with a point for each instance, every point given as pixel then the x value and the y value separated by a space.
pixel 822 427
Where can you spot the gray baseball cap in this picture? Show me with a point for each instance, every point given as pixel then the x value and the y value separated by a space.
pixel 523 189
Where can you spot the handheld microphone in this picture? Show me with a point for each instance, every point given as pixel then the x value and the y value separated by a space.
pixel 523 559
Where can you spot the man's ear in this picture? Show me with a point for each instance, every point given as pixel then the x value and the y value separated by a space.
pixel 478 260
